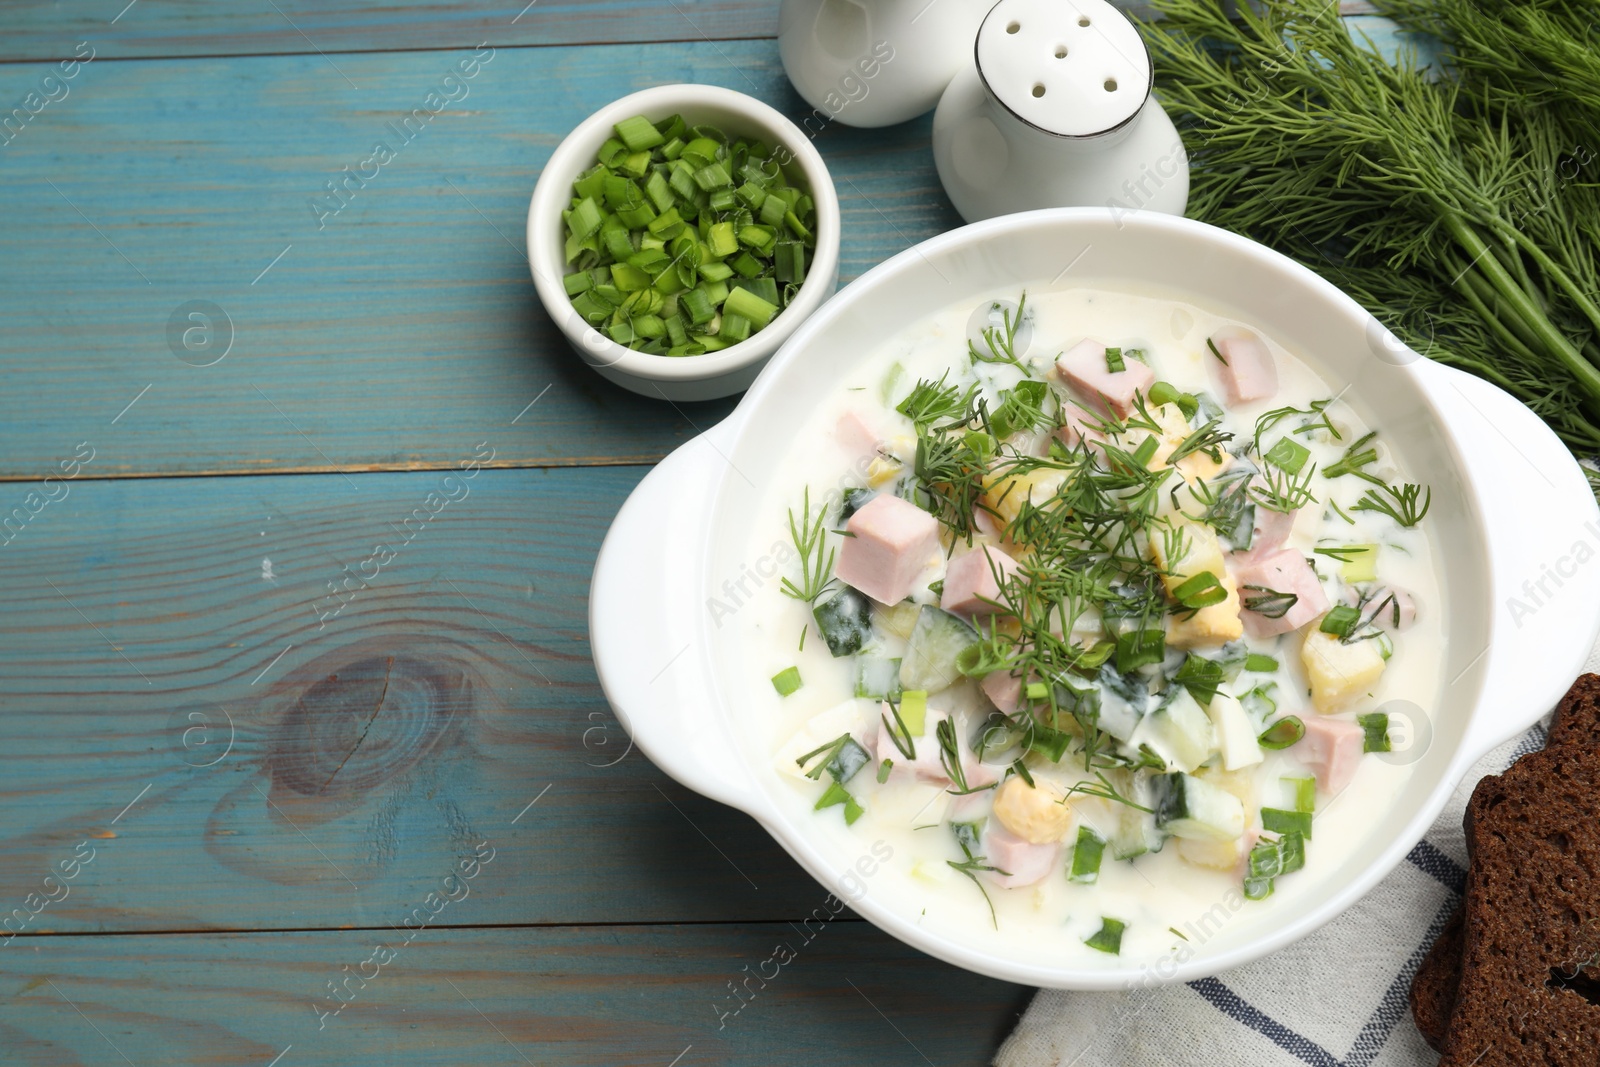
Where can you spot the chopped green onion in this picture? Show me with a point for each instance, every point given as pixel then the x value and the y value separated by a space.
pixel 697 305
pixel 1376 727
pixel 1049 743
pixel 1288 456
pixel 883 770
pixel 773 209
pixel 1340 620
pixel 914 711
pixel 1086 857
pixel 1292 852
pixel 837 794
pixel 1200 676
pixel 1304 791
pixel 1279 821
pixel 1139 648
pixel 584 219
pixel 1167 393
pixel 1359 563
pixel 678 212
pixel 786 681
pixel 1201 590
pixel 744 302
pixel 1283 733
pixel 1145 452
pixel 637 133
pixel 1037 690
pixel 1108 938
pixel 1114 362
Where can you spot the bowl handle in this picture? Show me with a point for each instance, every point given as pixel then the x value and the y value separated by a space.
pixel 1539 510
pixel 646 624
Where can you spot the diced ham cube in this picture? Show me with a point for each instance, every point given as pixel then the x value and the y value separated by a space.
pixel 1331 747
pixel 1272 529
pixel 1078 424
pixel 984 523
pixel 1247 370
pixel 1284 571
pixel 1084 367
pixel 1389 608
pixel 926 767
pixel 969 582
pixel 891 543
pixel 856 434
pixel 1004 689
pixel 928 764
pixel 1022 862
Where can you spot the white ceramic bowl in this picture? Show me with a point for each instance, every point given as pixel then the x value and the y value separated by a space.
pixel 1508 503
pixel 671 377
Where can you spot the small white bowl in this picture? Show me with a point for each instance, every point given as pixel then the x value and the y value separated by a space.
pixel 714 374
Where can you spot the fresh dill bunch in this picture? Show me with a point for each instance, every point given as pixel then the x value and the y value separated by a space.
pixel 1455 212
pixel 1527 52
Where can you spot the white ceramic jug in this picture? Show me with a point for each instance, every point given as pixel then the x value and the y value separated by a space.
pixel 1056 111
pixel 874 62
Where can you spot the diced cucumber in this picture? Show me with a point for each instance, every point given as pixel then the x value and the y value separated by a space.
pixel 1135 832
pixel 845 621
pixel 1236 734
pixel 1178 730
pixel 877 676
pixel 930 659
pixel 1123 702
pixel 853 501
pixel 1190 807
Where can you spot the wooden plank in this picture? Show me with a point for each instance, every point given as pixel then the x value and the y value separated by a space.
pixel 123 30
pixel 404 329
pixel 185 699
pixel 605 995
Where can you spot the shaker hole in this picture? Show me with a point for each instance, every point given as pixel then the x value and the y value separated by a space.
pixel 1014 27
pixel 1111 85
pixel 1038 91
pixel 1061 51
pixel 1083 20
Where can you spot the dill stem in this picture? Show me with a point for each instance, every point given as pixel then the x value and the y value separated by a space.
pixel 1487 303
pixel 1482 257
pixel 1561 277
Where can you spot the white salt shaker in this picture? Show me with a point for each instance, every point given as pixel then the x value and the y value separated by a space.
pixel 1056 111
pixel 874 62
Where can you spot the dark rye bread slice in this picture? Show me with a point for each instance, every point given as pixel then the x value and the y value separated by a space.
pixel 1529 991
pixel 1433 990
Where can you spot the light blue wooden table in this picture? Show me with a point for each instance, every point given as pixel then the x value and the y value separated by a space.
pixel 259 805
pixel 228 783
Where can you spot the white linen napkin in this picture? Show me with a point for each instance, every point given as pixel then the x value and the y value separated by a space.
pixel 1336 999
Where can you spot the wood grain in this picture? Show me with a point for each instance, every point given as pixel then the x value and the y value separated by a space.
pixel 244 749
pixel 598 995
pixel 397 334
pixel 150 29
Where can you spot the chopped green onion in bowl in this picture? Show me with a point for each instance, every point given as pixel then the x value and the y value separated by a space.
pixel 683 240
